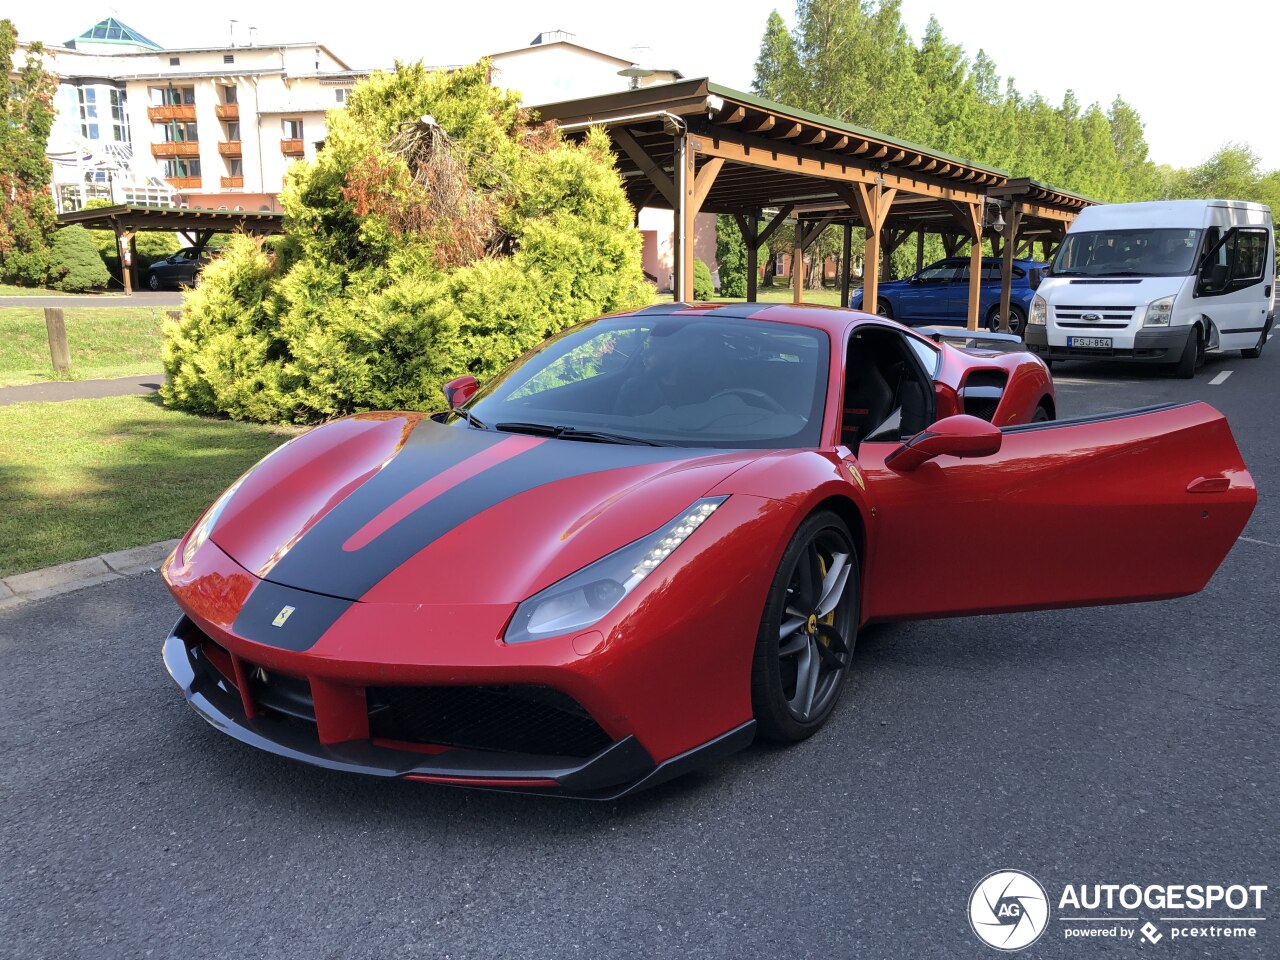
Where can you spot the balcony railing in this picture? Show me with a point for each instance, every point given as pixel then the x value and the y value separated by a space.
pixel 184 183
pixel 182 111
pixel 233 183
pixel 292 148
pixel 178 148
pixel 227 111
pixel 230 148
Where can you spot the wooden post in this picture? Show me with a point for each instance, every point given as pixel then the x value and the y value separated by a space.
pixel 975 263
pixel 122 254
pixel 749 227
pixel 846 258
pixel 693 187
pixel 920 251
pixel 797 265
pixel 1011 224
pixel 133 259
pixel 59 349
pixel 873 203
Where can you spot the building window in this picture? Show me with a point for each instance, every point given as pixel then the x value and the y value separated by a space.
pixel 182 168
pixel 175 61
pixel 228 58
pixel 235 167
pixel 233 130
pixel 174 96
pixel 292 129
pixel 119 116
pixel 341 94
pixel 229 94
pixel 176 131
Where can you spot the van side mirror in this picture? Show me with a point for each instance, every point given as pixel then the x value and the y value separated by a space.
pixel 459 391
pixel 958 436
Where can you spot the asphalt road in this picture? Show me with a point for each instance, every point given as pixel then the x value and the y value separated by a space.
pixel 56 390
pixel 1113 745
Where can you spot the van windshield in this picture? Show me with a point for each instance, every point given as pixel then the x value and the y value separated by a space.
pixel 1127 253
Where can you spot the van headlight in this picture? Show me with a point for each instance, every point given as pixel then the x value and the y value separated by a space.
pixel 582 598
pixel 1159 312
pixel 1039 311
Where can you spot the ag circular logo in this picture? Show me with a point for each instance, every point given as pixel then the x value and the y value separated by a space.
pixel 1008 910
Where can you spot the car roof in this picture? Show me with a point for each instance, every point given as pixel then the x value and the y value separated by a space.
pixel 831 319
pixel 989 260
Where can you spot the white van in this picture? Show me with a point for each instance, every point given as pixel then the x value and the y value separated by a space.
pixel 1162 282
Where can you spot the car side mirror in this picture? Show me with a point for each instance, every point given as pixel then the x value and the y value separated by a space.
pixel 459 391
pixel 958 436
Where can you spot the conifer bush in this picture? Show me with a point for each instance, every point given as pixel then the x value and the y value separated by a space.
pixel 438 233
pixel 75 265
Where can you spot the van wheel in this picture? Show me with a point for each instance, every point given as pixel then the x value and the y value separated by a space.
pixel 1253 353
pixel 1192 356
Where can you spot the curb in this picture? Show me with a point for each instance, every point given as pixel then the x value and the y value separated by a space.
pixel 39 584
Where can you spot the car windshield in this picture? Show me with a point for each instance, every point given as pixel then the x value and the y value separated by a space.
pixel 686 380
pixel 1128 253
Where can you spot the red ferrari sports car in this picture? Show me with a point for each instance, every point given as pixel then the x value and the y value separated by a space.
pixel 657 535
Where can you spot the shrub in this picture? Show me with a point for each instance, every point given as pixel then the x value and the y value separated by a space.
pixel 731 256
pixel 703 288
pixel 76 265
pixel 412 254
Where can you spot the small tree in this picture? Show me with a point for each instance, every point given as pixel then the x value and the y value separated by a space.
pixel 76 265
pixel 26 117
pixel 731 254
pixel 703 288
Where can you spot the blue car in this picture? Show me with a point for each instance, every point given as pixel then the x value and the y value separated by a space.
pixel 940 293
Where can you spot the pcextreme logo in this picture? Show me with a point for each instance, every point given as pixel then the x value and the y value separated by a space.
pixel 1008 910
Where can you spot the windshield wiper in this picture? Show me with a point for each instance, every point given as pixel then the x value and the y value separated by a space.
pixel 470 417
pixel 573 433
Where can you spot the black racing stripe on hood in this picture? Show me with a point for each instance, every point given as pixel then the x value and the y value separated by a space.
pixel 318 562
pixel 311 615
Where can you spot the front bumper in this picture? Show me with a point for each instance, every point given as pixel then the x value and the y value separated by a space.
pixel 1154 345
pixel 216 694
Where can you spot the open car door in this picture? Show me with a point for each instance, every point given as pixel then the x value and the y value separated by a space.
pixel 1138 505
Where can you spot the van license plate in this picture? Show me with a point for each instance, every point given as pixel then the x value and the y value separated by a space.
pixel 1092 343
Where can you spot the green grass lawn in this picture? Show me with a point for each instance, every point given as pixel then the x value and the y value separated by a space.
pixel 86 477
pixel 104 341
pixel 828 296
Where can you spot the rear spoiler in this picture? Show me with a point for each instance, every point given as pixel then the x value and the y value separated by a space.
pixel 973 338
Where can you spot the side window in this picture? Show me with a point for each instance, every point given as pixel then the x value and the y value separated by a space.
pixel 1236 262
pixel 930 356
pixel 942 273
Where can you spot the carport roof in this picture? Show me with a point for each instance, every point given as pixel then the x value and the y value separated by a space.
pixel 133 217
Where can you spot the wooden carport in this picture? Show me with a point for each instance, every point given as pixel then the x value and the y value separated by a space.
pixel 695 146
pixel 198 226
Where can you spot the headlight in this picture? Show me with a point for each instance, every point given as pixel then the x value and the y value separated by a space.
pixel 1159 312
pixel 1039 311
pixel 582 598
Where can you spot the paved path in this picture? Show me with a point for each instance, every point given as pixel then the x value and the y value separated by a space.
pixel 144 298
pixel 81 389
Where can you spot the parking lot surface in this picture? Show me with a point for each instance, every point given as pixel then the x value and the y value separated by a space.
pixel 1127 744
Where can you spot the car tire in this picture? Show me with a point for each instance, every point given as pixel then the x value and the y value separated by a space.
pixel 1042 414
pixel 153 281
pixel 883 309
pixel 1192 356
pixel 1253 353
pixel 1017 320
pixel 801 660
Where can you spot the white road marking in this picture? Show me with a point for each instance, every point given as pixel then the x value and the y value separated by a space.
pixel 1220 378
pixel 1271 334
pixel 1265 543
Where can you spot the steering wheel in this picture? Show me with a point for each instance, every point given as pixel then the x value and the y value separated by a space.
pixel 768 402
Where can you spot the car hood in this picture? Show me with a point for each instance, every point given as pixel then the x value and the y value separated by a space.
pixel 399 508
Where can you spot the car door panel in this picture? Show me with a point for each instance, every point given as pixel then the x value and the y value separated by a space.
pixel 1141 505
